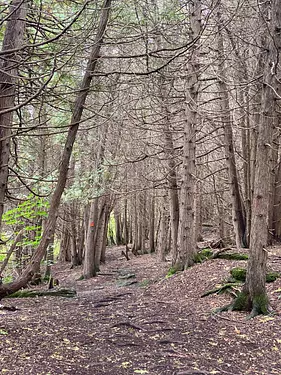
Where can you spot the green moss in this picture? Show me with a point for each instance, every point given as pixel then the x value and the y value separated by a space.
pixel 241 302
pixel 7 279
pixel 233 256
pixel 171 272
pixel 202 255
pixel 260 305
pixel 238 273
pixel 272 276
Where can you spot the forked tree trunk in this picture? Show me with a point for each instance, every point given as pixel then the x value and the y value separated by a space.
pixel 238 209
pixel 246 141
pixel 6 289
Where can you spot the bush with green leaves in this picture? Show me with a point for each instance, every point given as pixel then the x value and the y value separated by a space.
pixel 27 215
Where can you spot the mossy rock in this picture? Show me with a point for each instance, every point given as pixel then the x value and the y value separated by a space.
pixel 233 256
pixel 239 274
pixel 272 276
pixel 202 255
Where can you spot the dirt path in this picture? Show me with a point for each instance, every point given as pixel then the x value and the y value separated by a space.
pixel 154 326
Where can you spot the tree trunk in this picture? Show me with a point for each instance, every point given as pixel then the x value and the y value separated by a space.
pixel 186 235
pixel 118 227
pixel 89 268
pixel 152 225
pixel 253 296
pixel 9 63
pixel 277 204
pixel 163 241
pixel 238 209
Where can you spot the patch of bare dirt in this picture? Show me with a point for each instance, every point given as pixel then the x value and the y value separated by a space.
pixel 131 319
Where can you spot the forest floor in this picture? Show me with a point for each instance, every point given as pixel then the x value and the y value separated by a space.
pixel 154 326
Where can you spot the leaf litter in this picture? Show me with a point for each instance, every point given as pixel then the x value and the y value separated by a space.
pixel 155 326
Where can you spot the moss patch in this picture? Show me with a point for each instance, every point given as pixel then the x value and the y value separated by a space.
pixel 172 271
pixel 260 305
pixel 239 274
pixel 202 255
pixel 241 302
pixel 272 276
pixel 233 256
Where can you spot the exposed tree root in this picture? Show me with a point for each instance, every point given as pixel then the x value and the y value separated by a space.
pixel 259 305
pixel 232 256
pixel 41 293
pixel 8 308
pixel 222 288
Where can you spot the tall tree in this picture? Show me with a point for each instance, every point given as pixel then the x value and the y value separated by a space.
pixel 186 233
pixel 253 296
pixel 9 63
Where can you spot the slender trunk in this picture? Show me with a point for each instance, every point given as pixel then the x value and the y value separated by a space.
pixel 152 225
pixel 198 213
pixel 186 234
pixel 125 226
pixel 162 243
pixel 238 209
pixel 89 268
pixel 103 244
pixel 118 227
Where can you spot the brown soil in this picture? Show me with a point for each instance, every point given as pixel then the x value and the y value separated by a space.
pixel 155 326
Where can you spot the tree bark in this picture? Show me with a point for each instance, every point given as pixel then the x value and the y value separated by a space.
pixel 253 296
pixel 238 209
pixel 186 234
pixel 9 64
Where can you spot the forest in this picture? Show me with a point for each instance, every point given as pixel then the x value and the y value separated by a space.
pixel 140 187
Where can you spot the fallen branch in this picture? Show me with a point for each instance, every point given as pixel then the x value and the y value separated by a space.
pixel 8 308
pixel 128 324
pixel 42 293
pixel 222 289
pixel 219 251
